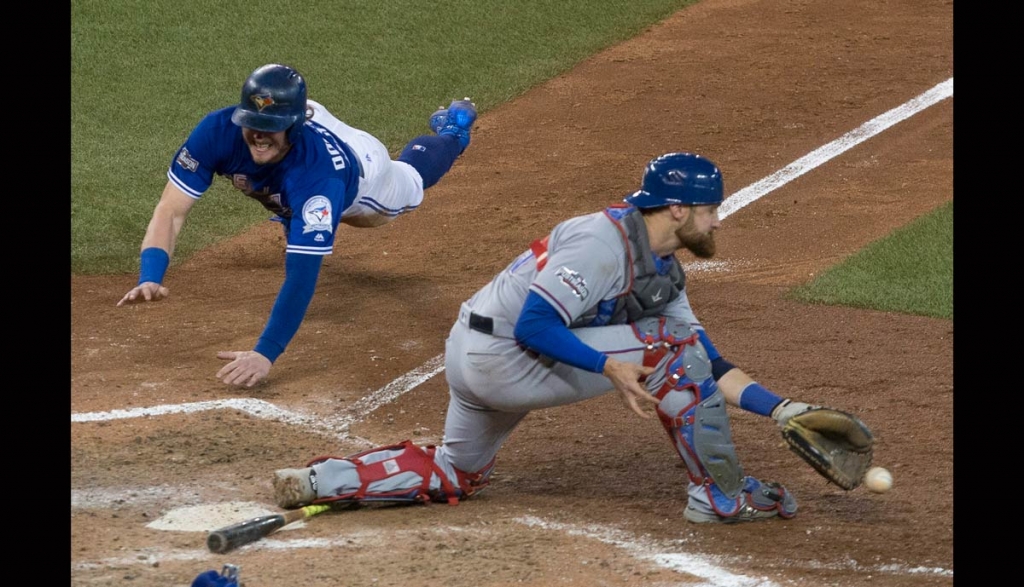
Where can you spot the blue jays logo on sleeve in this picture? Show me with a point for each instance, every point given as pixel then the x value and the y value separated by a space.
pixel 185 160
pixel 574 281
pixel 262 101
pixel 316 213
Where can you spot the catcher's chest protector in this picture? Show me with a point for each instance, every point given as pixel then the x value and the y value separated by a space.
pixel 651 290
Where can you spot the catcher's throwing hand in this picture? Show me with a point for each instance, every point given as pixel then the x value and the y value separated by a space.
pixel 626 379
pixel 246 368
pixel 145 292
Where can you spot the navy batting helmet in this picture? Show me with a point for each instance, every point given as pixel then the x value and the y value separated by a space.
pixel 273 99
pixel 678 178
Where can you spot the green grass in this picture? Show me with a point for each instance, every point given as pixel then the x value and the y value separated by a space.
pixel 143 72
pixel 910 271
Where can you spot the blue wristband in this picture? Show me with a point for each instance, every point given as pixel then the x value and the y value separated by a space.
pixel 153 262
pixel 755 398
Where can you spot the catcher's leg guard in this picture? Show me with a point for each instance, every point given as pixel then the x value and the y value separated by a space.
pixel 401 472
pixel 693 412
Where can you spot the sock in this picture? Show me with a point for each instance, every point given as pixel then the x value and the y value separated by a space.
pixel 432 156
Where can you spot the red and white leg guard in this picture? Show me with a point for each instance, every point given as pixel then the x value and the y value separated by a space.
pixel 400 472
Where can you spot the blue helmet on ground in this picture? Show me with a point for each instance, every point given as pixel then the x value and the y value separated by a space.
pixel 678 178
pixel 273 99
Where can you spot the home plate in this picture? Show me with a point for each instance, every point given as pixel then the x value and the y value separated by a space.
pixel 206 518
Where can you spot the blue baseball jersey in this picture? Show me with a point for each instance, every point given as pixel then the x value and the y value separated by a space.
pixel 309 189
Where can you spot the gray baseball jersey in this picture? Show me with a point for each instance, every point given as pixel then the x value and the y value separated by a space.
pixel 494 382
pixel 583 268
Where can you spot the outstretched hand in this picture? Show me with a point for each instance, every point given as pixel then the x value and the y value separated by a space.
pixel 246 368
pixel 148 291
pixel 626 379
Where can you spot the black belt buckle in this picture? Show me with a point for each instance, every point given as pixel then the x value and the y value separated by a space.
pixel 481 323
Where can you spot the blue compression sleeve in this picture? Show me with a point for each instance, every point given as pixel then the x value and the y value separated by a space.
pixel 300 275
pixel 431 156
pixel 708 346
pixel 719 366
pixel 541 329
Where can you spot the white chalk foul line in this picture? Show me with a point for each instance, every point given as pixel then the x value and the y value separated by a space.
pixel 835 148
pixel 708 568
pixel 337 426
pixel 704 567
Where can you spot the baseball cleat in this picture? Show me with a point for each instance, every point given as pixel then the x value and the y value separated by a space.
pixel 293 487
pixel 455 120
pixel 746 514
pixel 761 500
pixel 438 119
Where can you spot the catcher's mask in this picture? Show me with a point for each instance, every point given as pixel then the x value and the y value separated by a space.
pixel 678 178
pixel 273 99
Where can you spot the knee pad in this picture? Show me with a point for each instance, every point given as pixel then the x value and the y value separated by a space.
pixel 662 337
pixel 674 349
pixel 400 472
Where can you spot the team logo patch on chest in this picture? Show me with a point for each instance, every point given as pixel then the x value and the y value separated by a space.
pixel 316 214
pixel 574 281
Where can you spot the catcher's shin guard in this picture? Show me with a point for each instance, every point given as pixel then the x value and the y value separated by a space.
pixel 400 472
pixel 692 410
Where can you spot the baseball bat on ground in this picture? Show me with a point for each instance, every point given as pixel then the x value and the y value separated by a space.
pixel 230 537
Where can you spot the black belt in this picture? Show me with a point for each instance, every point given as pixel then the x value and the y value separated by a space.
pixel 481 323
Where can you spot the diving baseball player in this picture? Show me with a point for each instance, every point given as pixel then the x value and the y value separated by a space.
pixel 599 304
pixel 312 171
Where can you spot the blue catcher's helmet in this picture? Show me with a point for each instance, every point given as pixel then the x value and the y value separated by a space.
pixel 678 178
pixel 273 99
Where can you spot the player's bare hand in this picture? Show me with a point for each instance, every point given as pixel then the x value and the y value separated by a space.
pixel 145 292
pixel 247 368
pixel 626 379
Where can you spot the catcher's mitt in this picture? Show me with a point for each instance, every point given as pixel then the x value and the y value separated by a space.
pixel 837 444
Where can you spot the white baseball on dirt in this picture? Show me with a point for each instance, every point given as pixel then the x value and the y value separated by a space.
pixel 878 479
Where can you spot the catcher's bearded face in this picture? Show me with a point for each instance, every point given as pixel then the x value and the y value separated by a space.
pixel 266 147
pixel 697 234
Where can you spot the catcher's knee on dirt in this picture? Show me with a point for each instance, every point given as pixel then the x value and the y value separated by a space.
pixel 401 472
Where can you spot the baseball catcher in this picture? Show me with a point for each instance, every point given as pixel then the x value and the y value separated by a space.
pixel 837 444
pixel 599 304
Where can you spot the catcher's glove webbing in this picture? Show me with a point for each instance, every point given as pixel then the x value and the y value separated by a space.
pixel 837 444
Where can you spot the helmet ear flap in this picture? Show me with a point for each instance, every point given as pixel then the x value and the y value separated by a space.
pixel 679 178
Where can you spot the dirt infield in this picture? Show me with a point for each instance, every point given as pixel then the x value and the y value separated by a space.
pixel 584 495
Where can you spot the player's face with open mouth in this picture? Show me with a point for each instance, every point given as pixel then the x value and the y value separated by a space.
pixel 266 147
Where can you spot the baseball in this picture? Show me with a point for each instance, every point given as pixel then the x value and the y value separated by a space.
pixel 878 479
